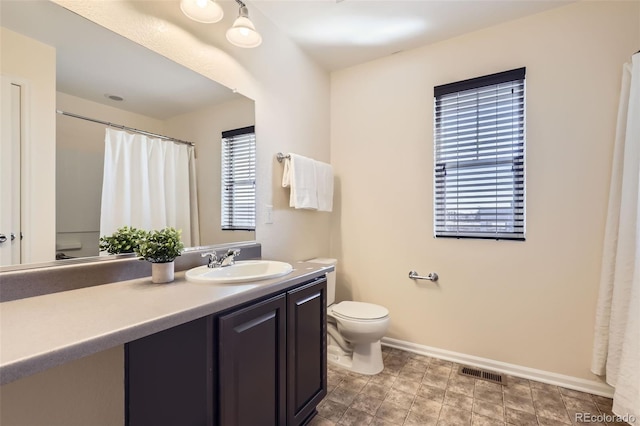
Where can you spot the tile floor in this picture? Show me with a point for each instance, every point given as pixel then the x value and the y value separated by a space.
pixel 418 390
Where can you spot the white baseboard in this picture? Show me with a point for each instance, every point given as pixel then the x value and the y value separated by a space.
pixel 569 382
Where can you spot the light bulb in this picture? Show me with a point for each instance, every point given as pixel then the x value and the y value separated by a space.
pixel 205 11
pixel 243 33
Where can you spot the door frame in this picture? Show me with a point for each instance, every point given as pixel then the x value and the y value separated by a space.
pixel 25 164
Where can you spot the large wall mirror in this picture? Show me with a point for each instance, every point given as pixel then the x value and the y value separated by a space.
pixel 103 76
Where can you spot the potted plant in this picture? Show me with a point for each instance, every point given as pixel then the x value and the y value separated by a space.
pixel 161 248
pixel 124 240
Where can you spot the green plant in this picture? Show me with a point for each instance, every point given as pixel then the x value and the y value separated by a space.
pixel 124 240
pixel 160 246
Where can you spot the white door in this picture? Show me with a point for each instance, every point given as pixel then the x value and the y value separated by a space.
pixel 10 185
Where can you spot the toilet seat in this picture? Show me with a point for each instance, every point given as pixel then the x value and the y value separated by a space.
pixel 360 311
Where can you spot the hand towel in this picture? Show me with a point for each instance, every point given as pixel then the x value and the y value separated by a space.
pixel 300 176
pixel 324 180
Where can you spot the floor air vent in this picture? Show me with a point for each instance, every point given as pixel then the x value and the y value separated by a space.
pixel 483 375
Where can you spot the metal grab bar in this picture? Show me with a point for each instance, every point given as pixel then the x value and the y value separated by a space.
pixel 431 277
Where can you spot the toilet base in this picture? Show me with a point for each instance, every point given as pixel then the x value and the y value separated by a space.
pixel 365 359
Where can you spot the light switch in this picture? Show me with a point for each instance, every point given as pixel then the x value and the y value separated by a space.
pixel 268 213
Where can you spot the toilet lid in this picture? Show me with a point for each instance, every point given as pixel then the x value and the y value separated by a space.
pixel 360 310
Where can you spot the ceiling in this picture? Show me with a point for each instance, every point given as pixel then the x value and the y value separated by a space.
pixel 335 33
pixel 338 34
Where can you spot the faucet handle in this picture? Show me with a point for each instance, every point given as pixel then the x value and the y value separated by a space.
pixel 211 254
pixel 229 257
pixel 213 258
pixel 233 252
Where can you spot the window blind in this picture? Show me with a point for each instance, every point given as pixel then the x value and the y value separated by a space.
pixel 479 134
pixel 239 179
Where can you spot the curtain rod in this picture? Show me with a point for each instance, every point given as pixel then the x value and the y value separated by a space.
pixel 120 126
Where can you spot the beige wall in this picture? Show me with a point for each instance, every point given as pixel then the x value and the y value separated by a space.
pixel 82 135
pixel 527 303
pixel 38 71
pixel 205 128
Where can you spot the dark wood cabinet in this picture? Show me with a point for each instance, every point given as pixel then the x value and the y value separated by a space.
pixel 252 365
pixel 263 363
pixel 169 377
pixel 306 351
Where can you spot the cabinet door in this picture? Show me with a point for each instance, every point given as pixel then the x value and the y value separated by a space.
pixel 169 377
pixel 252 365
pixel 306 350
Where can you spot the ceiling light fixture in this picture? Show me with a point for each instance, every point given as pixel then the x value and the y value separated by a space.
pixel 243 33
pixel 205 11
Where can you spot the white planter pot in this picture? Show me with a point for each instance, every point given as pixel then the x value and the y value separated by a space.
pixel 162 272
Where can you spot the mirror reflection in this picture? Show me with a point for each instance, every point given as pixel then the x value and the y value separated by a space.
pixel 104 77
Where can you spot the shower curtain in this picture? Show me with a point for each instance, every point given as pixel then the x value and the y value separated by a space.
pixel 148 184
pixel 617 333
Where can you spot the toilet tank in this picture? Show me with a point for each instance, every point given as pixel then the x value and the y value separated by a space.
pixel 331 277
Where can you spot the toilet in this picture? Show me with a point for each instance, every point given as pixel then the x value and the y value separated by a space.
pixel 354 330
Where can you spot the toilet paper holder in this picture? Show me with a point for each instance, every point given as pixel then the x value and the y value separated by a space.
pixel 431 277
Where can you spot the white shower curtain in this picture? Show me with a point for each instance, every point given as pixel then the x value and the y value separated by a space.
pixel 617 333
pixel 149 184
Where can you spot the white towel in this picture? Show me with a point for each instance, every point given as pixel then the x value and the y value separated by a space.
pixel 324 179
pixel 300 176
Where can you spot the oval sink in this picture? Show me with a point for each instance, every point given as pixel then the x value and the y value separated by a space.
pixel 241 271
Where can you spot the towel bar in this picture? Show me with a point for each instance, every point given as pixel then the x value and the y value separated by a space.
pixel 431 277
pixel 280 156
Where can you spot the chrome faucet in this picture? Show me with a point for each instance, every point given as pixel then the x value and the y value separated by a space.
pixel 227 259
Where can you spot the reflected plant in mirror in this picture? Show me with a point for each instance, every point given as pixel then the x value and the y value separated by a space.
pixel 124 240
pixel 107 78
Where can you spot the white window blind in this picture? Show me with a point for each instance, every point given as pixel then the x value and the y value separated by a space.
pixel 479 135
pixel 239 179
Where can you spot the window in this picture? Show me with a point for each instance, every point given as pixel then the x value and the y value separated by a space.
pixel 479 157
pixel 239 179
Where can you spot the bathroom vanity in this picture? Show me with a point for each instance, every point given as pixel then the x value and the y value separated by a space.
pixel 262 363
pixel 194 353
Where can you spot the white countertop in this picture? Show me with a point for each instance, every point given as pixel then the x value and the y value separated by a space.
pixel 41 332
